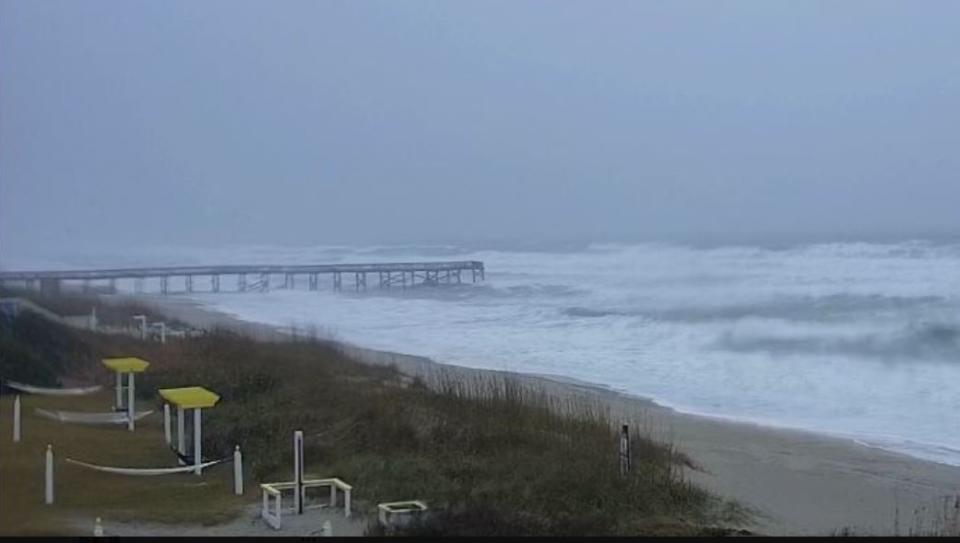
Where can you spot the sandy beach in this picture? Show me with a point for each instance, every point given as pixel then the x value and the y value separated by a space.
pixel 797 483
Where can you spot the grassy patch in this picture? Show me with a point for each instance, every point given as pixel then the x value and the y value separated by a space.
pixel 83 493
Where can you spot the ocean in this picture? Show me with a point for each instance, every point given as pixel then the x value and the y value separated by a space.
pixel 856 340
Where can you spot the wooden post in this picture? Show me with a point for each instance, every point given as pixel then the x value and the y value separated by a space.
pixel 48 477
pixel 298 471
pixel 624 450
pixel 16 419
pixel 119 400
pixel 181 447
pixel 131 403
pixel 166 424
pixel 237 471
pixel 197 459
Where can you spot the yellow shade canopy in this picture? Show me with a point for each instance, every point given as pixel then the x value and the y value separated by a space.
pixel 126 365
pixel 189 397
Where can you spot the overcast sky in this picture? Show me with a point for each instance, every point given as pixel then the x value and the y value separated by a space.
pixel 207 122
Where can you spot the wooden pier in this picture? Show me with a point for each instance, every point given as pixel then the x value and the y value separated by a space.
pixel 191 279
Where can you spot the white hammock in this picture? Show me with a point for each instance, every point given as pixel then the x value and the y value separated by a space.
pixel 53 391
pixel 81 417
pixel 144 471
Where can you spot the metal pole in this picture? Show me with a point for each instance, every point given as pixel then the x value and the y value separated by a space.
pixel 624 450
pixel 298 470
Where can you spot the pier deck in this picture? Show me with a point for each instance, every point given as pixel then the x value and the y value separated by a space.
pixel 254 277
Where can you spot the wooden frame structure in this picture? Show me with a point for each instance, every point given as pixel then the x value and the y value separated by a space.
pixel 272 494
pixel 390 512
pixel 272 513
pixel 129 366
pixel 197 399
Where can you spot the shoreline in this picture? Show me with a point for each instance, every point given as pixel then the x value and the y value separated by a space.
pixel 797 482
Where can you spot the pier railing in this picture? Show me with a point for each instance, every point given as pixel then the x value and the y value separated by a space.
pixel 256 277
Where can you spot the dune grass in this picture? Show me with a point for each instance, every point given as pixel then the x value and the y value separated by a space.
pixel 74 303
pixel 495 456
pixel 489 455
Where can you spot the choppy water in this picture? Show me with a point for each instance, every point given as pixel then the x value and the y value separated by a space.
pixel 858 340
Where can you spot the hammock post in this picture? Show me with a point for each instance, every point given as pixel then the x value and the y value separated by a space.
pixel 166 423
pixel 237 471
pixel 196 441
pixel 16 419
pixel 48 477
pixel 130 400
pixel 181 448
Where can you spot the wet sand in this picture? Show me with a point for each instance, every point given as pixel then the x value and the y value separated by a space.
pixel 797 483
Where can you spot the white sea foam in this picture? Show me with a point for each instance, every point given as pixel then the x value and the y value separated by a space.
pixel 857 340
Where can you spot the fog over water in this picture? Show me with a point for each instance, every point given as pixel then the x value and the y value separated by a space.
pixel 744 208
pixel 375 122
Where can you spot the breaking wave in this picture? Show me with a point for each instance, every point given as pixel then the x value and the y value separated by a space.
pixel 853 339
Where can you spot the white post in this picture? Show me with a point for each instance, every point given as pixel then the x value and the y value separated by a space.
pixel 181 447
pixel 237 471
pixel 131 403
pixel 279 509
pixel 166 424
pixel 48 477
pixel 16 419
pixel 97 528
pixel 119 402
pixel 346 503
pixel 163 332
pixel 196 440
pixel 142 319
pixel 93 318
pixel 298 471
pixel 333 495
pixel 326 530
